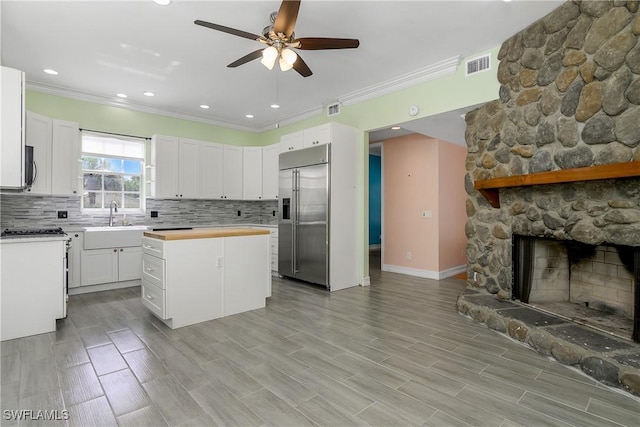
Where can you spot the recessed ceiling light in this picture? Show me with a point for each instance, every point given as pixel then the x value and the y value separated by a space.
pixel 395 128
pixel 50 71
pixel 147 93
pixel 121 95
pixel 249 116
pixel 204 106
pixel 275 106
pixel 162 2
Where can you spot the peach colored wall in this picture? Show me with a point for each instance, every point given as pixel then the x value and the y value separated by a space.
pixel 410 176
pixel 451 205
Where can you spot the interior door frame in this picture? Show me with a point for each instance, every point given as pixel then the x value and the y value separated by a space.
pixel 381 146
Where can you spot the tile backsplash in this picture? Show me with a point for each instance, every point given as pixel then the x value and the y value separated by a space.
pixel 33 211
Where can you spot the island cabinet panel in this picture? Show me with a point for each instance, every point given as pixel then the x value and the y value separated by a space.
pixel 241 292
pixel 203 274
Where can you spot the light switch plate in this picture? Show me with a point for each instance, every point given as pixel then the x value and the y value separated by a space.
pixel 426 214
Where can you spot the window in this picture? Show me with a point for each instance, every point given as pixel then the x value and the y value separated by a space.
pixel 112 170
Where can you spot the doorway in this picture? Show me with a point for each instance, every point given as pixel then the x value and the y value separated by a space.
pixel 375 206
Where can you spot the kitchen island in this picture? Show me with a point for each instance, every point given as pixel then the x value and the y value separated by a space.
pixel 191 276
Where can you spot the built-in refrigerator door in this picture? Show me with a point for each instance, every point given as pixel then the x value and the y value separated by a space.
pixel 285 223
pixel 311 244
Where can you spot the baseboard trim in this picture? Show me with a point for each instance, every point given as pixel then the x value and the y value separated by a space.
pixel 427 274
pixel 104 287
pixel 366 281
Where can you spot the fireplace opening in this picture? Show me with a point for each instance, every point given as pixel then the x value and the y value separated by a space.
pixel 597 286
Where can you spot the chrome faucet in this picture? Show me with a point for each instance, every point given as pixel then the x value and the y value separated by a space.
pixel 113 207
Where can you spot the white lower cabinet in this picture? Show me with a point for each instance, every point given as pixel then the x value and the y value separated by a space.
pixel 129 263
pixel 110 265
pixel 153 298
pixel 32 295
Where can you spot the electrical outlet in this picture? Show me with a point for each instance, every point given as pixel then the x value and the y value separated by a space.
pixel 154 214
pixel 409 255
pixel 62 215
pixel 219 262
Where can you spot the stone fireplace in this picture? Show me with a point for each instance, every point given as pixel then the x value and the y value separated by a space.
pixel 569 106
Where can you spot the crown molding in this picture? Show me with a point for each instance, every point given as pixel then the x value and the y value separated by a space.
pixel 422 75
pixel 315 111
pixel 133 106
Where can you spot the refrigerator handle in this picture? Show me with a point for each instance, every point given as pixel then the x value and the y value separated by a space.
pixel 294 220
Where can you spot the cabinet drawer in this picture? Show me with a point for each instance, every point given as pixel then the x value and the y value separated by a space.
pixel 153 247
pixel 153 270
pixel 154 299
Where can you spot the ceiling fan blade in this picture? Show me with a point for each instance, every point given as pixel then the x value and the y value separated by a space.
pixel 318 43
pixel 301 67
pixel 286 17
pixel 249 57
pixel 229 30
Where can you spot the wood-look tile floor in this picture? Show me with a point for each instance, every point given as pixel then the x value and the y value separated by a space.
pixel 395 353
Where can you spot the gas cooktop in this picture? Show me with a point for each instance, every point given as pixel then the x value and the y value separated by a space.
pixel 32 232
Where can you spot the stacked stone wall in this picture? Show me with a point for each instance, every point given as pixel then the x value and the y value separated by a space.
pixel 569 98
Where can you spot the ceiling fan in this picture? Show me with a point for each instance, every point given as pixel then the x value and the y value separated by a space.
pixel 280 38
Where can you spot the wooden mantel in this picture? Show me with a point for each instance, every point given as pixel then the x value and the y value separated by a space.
pixel 489 188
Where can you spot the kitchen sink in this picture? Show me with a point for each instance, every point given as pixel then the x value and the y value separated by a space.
pixel 113 237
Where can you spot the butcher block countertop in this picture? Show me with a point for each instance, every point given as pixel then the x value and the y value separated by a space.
pixel 203 233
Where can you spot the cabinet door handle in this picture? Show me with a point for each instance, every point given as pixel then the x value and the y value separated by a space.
pixel 115 250
pixel 121 250
pixel 153 248
pixel 149 269
pixel 150 297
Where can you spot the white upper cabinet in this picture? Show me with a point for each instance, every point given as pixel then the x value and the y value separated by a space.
pixel 164 157
pixel 270 171
pixel 188 168
pixel 56 155
pixel 38 134
pixel 211 170
pixel 12 117
pixel 252 173
pixel 292 141
pixel 317 135
pixel 232 173
pixel 176 162
pixel 65 158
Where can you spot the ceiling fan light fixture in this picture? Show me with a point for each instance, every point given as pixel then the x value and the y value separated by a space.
pixel 269 56
pixel 287 59
pixel 284 65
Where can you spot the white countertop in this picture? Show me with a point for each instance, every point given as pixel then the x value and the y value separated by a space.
pixel 33 239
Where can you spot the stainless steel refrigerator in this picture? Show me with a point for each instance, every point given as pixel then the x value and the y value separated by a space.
pixel 303 226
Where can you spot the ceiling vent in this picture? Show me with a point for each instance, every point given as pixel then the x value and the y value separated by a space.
pixel 333 109
pixel 477 65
